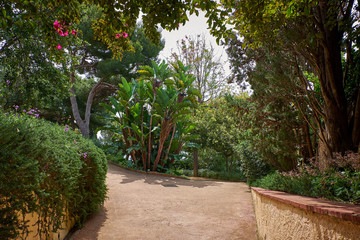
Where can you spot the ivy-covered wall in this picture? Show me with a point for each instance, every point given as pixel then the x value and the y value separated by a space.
pixel 49 170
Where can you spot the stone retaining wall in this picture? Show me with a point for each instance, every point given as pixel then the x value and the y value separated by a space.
pixel 281 216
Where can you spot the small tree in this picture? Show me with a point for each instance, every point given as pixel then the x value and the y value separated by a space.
pixel 217 124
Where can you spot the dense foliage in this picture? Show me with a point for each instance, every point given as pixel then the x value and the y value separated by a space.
pixel 149 116
pixel 340 182
pixel 47 169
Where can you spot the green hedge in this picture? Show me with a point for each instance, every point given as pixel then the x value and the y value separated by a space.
pixel 48 169
pixel 342 186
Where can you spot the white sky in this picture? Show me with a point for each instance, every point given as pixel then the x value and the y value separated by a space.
pixel 195 26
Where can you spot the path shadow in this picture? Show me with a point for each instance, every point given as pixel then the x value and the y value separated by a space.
pixel 92 226
pixel 129 177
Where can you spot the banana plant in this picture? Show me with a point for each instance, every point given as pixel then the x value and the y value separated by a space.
pixel 147 112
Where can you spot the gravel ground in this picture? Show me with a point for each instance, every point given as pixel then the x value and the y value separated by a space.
pixel 150 207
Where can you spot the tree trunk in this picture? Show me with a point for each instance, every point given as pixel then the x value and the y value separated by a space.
pixel 196 162
pixel 82 124
pixel 356 127
pixel 328 61
pixel 164 134
pixel 307 142
pixel 227 163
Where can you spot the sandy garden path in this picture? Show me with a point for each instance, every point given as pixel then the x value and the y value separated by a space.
pixel 150 207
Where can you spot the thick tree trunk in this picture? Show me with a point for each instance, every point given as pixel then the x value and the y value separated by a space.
pixel 356 127
pixel 328 61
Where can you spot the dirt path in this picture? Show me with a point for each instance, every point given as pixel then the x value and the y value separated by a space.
pixel 149 207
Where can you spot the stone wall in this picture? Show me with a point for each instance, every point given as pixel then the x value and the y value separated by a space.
pixel 285 216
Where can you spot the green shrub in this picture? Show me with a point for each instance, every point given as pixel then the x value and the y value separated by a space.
pixel 48 169
pixel 338 186
pixel 339 182
pixel 300 184
pixel 252 165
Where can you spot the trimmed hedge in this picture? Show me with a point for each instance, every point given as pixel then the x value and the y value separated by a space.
pixel 47 169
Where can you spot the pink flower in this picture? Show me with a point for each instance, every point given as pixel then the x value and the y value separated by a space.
pixel 73 32
pixel 16 106
pixel 125 35
pixel 75 141
pixel 118 35
pixel 70 24
pixel 37 115
pixel 63 34
pixel 58 46
pixel 56 25
pixel 8 82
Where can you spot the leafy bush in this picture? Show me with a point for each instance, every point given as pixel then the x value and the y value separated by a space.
pixel 301 185
pixel 47 169
pixel 253 166
pixel 338 186
pixel 339 182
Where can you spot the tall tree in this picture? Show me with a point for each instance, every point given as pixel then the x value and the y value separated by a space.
pixel 314 32
pixel 206 67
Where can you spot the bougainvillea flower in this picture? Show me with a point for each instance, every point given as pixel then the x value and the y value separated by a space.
pixel 118 35
pixel 125 35
pixel 56 25
pixel 58 46
pixel 63 34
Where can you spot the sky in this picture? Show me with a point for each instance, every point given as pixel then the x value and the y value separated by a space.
pixel 195 26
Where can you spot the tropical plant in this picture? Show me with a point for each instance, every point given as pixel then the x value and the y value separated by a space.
pixel 150 115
